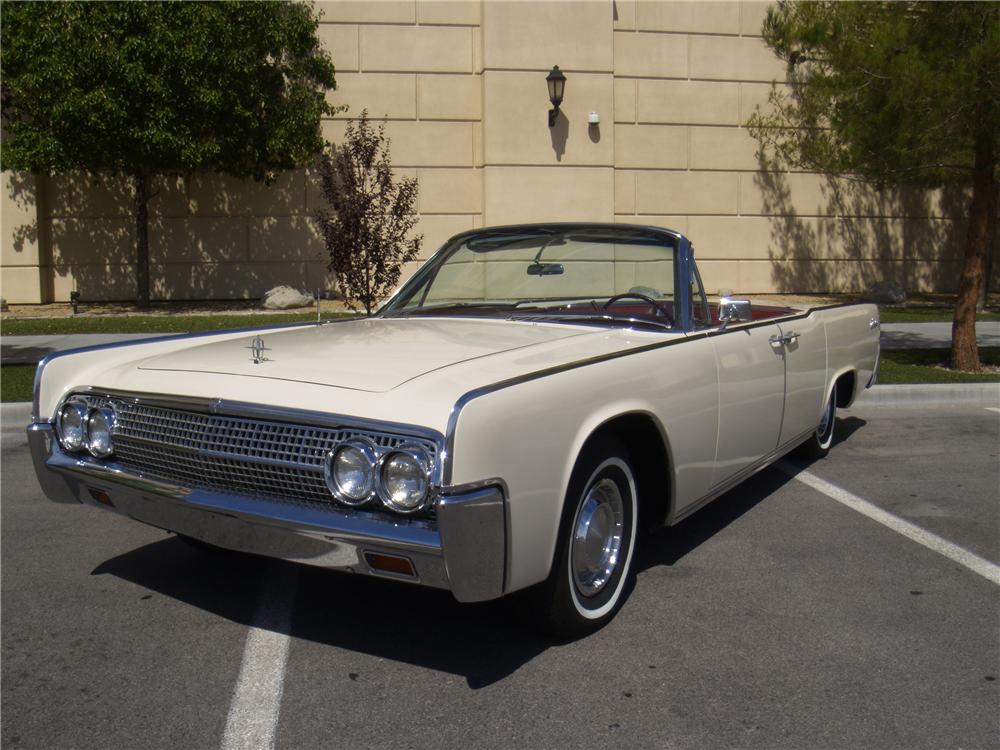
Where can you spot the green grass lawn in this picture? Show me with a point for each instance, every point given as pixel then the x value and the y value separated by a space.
pixel 925 366
pixel 16 382
pixel 896 366
pixel 150 323
pixel 927 314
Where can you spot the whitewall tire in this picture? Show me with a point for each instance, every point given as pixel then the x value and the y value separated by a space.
pixel 592 568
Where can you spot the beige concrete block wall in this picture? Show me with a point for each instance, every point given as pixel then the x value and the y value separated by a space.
pixel 24 276
pixel 462 88
pixel 702 69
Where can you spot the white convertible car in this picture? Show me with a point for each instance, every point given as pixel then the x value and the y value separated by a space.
pixel 508 421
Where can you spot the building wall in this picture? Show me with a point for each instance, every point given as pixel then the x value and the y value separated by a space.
pixel 462 86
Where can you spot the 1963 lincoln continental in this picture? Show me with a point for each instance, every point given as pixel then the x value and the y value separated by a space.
pixel 508 421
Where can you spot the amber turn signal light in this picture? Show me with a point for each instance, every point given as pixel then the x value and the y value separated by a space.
pixel 390 564
pixel 101 496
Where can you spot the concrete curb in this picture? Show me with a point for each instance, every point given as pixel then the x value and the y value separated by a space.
pixel 985 394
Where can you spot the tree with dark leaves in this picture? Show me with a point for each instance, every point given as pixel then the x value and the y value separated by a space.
pixel 368 225
pixel 895 93
pixel 149 88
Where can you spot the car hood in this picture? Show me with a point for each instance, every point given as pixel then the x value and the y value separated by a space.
pixel 374 355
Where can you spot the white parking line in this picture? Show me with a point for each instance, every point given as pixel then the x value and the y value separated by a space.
pixel 256 703
pixel 988 570
pixel 992 408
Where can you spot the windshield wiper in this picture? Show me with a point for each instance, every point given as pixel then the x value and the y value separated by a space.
pixel 590 318
pixel 433 309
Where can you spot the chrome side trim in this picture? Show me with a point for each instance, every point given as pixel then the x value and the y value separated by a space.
pixel 448 453
pixel 727 484
pixel 37 386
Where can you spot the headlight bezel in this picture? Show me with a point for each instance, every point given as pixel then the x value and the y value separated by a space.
pixel 111 420
pixel 83 409
pixel 420 456
pixel 371 453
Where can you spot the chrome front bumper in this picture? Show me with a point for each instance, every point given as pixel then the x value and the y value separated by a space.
pixel 466 553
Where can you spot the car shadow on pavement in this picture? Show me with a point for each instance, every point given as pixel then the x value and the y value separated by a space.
pixel 17 354
pixel 668 544
pixel 427 628
pixel 845 427
pixel 227 585
pixel 483 643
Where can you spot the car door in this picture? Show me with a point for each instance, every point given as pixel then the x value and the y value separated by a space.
pixel 804 350
pixel 751 372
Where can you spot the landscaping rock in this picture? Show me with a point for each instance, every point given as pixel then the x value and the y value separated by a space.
pixel 285 298
pixel 886 293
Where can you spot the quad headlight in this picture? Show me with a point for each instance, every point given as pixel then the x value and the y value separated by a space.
pixel 356 471
pixel 71 425
pixel 100 432
pixel 403 479
pixel 350 472
pixel 83 428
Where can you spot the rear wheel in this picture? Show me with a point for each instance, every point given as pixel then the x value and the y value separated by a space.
pixel 818 444
pixel 592 568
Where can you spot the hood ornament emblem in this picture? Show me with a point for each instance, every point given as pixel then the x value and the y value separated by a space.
pixel 257 350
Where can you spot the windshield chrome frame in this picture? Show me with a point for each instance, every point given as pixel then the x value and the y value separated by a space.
pixel 683 262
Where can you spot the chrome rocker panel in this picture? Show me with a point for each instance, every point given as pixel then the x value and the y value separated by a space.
pixel 466 553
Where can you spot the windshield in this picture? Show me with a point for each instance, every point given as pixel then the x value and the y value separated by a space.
pixel 578 275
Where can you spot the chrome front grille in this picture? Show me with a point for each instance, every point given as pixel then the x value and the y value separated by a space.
pixel 239 455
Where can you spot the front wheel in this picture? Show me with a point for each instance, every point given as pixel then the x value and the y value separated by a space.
pixel 592 568
pixel 818 444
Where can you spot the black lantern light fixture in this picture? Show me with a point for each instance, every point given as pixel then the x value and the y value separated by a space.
pixel 556 82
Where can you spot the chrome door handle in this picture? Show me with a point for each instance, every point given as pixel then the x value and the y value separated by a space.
pixel 785 339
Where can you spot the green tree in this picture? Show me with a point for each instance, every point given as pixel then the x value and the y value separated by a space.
pixel 895 93
pixel 368 225
pixel 146 88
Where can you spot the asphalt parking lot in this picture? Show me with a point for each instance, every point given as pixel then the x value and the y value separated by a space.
pixel 778 617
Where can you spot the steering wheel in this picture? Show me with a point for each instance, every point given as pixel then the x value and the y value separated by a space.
pixel 660 309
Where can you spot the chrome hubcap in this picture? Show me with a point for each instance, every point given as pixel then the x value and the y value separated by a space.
pixel 597 537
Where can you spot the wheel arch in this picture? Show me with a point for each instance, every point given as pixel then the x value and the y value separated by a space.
pixel 844 385
pixel 649 449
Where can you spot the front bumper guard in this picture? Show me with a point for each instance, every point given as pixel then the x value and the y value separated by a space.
pixel 466 553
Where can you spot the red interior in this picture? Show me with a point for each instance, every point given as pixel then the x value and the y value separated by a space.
pixel 633 308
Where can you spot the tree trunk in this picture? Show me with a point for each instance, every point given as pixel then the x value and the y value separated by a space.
pixel 964 354
pixel 141 180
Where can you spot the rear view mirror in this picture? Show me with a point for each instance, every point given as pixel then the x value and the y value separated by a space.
pixel 545 269
pixel 734 311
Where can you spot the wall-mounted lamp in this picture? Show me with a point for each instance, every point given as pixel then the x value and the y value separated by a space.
pixel 556 82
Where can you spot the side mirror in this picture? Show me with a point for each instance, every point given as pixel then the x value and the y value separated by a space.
pixel 734 311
